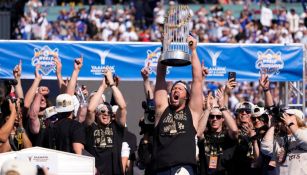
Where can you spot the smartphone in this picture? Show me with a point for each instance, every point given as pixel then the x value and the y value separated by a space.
pixel 232 75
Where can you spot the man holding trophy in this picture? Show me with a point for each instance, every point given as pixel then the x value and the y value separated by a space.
pixel 177 113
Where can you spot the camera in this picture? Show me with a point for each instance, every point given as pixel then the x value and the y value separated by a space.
pixel 276 112
pixel 149 111
pixel 8 90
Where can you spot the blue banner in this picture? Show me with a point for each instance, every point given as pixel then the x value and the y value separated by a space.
pixel 281 62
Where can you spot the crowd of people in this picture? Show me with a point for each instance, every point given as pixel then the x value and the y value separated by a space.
pixel 144 21
pixel 185 130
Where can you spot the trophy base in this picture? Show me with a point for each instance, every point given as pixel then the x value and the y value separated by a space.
pixel 176 58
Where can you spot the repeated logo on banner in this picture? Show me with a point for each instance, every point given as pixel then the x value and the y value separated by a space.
pixel 269 62
pixel 216 70
pixel 282 63
pixel 98 68
pixel 152 60
pixel 45 57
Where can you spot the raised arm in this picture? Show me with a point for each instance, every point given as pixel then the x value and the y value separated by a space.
pixel 230 85
pixel 207 106
pixel 35 109
pixel 161 98
pixel 121 117
pixel 229 120
pixel 61 83
pixel 17 75
pixel 94 102
pixel 147 88
pixel 32 90
pixel 78 63
pixel 265 84
pixel 195 103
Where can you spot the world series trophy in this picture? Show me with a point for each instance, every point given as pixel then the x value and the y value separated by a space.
pixel 176 31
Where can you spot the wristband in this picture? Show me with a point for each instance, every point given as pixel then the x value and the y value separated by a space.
pixel 290 124
pixel 266 90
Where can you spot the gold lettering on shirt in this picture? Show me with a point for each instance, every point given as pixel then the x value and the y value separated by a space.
pixel 174 124
pixel 103 138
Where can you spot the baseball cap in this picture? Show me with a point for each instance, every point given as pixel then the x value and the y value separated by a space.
pixel 50 111
pixel 244 105
pixel 296 112
pixel 182 171
pixel 76 104
pixel 22 167
pixel 258 111
pixel 64 103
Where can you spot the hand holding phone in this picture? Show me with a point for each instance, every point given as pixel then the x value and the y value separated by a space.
pixel 232 75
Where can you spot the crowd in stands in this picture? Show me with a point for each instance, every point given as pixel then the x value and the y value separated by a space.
pixel 143 22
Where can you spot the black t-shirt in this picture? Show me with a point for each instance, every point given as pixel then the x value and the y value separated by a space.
pixel 174 139
pixel 104 142
pixel 36 139
pixel 219 145
pixel 62 134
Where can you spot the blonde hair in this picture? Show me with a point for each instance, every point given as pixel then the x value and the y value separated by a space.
pixel 300 123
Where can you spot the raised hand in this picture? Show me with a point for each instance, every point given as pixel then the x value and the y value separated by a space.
pixel 192 42
pixel 43 90
pixel 145 72
pixel 208 102
pixel 230 85
pixel 249 129
pixel 37 74
pixel 287 119
pixel 205 71
pixel 108 75
pixel 17 70
pixel 78 63
pixel 220 98
pixel 264 81
pixel 58 65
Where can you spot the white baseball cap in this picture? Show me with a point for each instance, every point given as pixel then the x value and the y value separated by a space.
pixel 258 111
pixel 51 111
pixel 244 105
pixel 182 171
pixel 76 104
pixel 22 167
pixel 296 112
pixel 64 103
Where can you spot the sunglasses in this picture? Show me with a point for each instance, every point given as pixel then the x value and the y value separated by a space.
pixel 260 118
pixel 247 111
pixel 215 116
pixel 255 118
pixel 104 112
